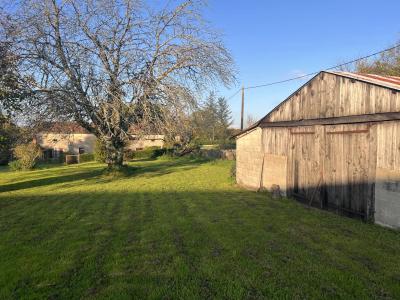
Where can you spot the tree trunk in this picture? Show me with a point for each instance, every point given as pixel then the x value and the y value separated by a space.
pixel 114 153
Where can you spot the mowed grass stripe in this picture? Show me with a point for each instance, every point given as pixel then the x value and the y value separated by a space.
pixel 180 229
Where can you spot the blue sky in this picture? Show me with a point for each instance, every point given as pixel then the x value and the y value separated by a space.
pixel 275 40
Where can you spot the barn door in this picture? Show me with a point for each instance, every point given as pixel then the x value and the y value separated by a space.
pixel 348 167
pixel 306 170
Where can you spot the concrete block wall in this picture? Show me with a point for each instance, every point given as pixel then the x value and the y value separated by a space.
pixel 387 198
pixel 249 156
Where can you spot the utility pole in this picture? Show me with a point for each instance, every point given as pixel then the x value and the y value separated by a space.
pixel 241 112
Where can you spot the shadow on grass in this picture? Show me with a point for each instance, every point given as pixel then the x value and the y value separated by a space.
pixel 155 168
pixel 49 180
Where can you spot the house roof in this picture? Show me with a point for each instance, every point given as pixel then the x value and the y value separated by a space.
pixel 391 82
pixel 63 127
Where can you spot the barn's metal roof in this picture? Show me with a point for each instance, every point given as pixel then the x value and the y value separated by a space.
pixel 386 81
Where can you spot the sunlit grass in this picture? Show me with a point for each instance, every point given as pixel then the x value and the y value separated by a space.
pixel 179 229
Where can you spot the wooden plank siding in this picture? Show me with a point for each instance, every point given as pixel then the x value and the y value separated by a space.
pixel 348 168
pixel 328 95
pixel 331 165
pixel 388 142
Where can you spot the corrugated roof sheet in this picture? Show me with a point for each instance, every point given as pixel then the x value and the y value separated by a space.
pixel 387 81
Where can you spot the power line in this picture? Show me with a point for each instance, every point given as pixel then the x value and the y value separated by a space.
pixel 330 68
pixel 281 81
pixel 313 73
pixel 229 98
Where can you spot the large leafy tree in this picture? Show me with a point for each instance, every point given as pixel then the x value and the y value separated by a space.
pixel 111 64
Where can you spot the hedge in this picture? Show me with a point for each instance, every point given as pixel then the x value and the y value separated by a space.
pixel 148 153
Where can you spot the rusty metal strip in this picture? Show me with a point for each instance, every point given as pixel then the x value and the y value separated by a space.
pixel 348 131
pixel 303 132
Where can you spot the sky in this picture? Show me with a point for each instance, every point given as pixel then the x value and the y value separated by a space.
pixel 276 40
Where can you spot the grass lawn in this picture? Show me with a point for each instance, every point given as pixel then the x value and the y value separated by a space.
pixel 180 229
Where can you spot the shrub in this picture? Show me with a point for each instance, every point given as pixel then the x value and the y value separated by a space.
pixel 86 157
pixel 151 152
pixel 100 152
pixel 27 155
pixel 15 165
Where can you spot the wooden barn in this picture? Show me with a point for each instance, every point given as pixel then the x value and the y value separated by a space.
pixel 334 143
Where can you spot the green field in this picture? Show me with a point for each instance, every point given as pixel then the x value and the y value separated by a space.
pixel 180 229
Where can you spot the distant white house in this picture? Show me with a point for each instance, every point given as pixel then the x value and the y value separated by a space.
pixel 68 137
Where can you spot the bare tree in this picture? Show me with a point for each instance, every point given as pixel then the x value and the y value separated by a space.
pixel 111 64
pixel 250 120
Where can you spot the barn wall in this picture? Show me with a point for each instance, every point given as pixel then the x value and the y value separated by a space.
pixel 353 168
pixel 387 187
pixel 249 157
pixel 328 95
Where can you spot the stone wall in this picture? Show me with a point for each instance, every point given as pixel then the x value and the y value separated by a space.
pixel 228 154
pixel 147 141
pixel 249 157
